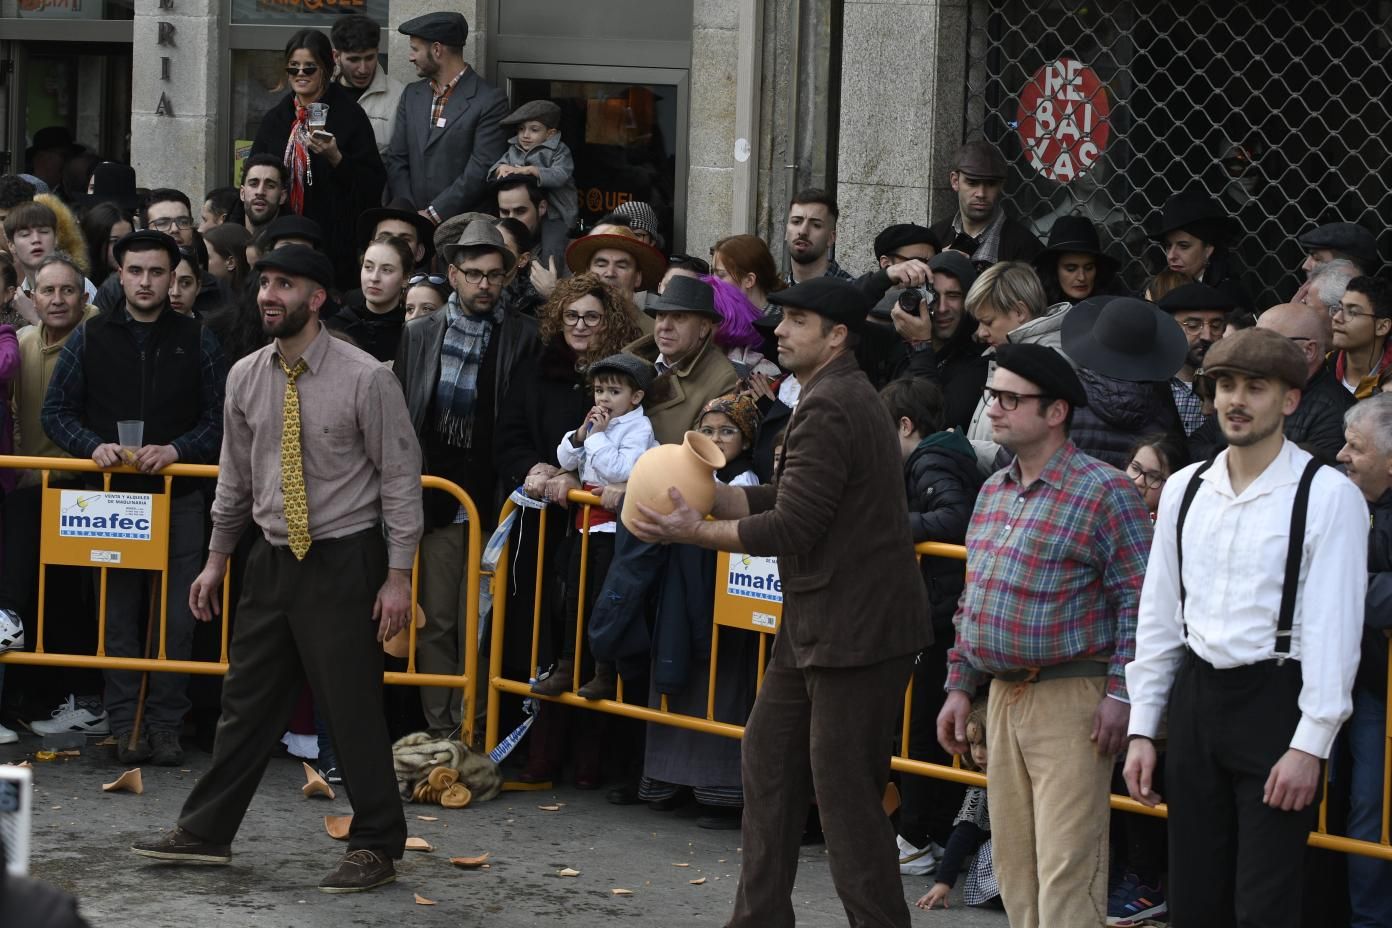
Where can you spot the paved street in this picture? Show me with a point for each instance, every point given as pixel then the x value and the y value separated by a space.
pixel 81 836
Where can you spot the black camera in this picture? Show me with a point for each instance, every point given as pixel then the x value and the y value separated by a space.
pixel 913 301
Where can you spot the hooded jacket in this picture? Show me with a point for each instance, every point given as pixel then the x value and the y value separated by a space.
pixel 942 480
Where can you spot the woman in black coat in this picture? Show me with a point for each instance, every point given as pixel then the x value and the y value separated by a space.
pixel 331 179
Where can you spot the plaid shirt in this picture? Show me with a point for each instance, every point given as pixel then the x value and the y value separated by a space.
pixel 1054 572
pixel 988 242
pixel 1189 405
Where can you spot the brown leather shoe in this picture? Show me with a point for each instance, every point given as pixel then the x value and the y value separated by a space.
pixel 558 681
pixel 358 872
pixel 178 846
pixel 603 686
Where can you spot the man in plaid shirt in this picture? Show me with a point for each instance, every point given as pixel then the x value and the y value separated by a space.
pixel 1056 553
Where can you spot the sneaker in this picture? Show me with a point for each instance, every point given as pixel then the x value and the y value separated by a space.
pixel 1134 903
pixel 165 750
pixel 331 775
pixel 358 872
pixel 69 716
pixel 125 754
pixel 918 861
pixel 179 846
pixel 7 736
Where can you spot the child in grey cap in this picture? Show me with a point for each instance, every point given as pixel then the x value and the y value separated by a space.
pixel 537 151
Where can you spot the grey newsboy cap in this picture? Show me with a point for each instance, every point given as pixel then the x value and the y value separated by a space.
pixel 450 29
pixel 1258 353
pixel 980 159
pixel 543 111
pixel 633 366
pixel 480 234
pixel 1347 237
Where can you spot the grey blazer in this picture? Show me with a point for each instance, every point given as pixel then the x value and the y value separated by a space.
pixel 446 167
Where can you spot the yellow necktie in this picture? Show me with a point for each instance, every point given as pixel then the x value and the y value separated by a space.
pixel 291 464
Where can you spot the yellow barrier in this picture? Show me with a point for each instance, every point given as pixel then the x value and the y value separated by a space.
pixel 498 685
pixel 152 555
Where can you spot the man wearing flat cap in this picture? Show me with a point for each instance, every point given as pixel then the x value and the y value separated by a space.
pixel 1335 240
pixel 980 229
pixel 854 615
pixel 1056 553
pixel 455 367
pixel 1248 640
pixel 140 360
pixel 448 130
pixel 319 453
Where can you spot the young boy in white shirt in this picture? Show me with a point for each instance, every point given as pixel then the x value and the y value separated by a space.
pixel 537 151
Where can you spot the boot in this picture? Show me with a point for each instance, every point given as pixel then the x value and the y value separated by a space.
pixel 603 686
pixel 558 681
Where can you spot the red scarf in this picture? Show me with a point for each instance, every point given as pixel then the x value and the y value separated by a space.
pixel 297 159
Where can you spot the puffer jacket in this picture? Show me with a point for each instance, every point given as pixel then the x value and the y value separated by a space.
pixel 1119 413
pixel 942 481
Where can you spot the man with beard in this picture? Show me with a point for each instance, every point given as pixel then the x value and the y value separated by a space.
pixel 262 192
pixel 811 234
pixel 1249 645
pixel 1200 311
pixel 980 229
pixel 455 368
pixel 320 454
pixel 448 130
pixel 141 360
pixel 521 198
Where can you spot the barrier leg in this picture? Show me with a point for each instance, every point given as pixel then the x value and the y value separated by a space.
pixel 145 676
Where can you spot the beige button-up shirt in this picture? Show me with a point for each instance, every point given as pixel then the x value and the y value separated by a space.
pixel 361 459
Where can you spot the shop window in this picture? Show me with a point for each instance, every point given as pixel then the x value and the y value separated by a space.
pixel 304 12
pixel 67 10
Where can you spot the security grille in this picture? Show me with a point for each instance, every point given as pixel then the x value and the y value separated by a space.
pixel 1104 108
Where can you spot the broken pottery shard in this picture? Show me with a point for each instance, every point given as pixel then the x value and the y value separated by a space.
pixel 568 872
pixel 681 865
pixel 697 882
pixel 456 796
pixel 315 785
pixel 421 900
pixel 618 891
pixel 129 781
pixel 470 863
pixel 428 818
pixel 418 844
pixel 337 826
pixel 549 808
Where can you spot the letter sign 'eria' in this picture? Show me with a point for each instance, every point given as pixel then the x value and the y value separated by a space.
pixel 1063 120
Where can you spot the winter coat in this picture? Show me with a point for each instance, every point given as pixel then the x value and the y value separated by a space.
pixel 676 397
pixel 1119 413
pixel 1372 667
pixel 379 334
pixel 1017 242
pixel 942 481
pixel 548 398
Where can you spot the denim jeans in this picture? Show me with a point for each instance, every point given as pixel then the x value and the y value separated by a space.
pixel 1370 880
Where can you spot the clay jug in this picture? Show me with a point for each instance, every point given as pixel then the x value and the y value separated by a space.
pixel 690 467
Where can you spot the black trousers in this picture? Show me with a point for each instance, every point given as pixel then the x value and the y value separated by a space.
pixel 929 804
pixel 301 620
pixel 1234 861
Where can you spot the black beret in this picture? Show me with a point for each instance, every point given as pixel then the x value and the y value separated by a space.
pixel 543 111
pixel 838 300
pixel 299 261
pixel 1196 296
pixel 1347 237
pixel 1045 368
pixel 292 226
pixel 146 237
pixel 642 372
pixel 450 29
pixel 902 234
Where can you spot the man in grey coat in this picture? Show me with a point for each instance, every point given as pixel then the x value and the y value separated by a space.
pixel 447 133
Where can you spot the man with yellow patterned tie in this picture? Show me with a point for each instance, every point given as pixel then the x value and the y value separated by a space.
pixel 317 449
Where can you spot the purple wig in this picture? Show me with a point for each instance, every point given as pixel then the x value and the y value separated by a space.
pixel 737 316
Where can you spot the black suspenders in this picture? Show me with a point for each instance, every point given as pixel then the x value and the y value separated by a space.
pixel 1294 551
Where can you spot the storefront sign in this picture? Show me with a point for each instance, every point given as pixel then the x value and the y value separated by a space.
pixel 60 9
pixel 598 200
pixel 748 592
pixel 305 12
pixel 1063 120
pixel 93 514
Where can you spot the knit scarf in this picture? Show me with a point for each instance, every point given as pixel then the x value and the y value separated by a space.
pixel 297 159
pixel 461 353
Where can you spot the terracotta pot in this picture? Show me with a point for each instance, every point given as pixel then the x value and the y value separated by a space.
pixel 397 645
pixel 690 467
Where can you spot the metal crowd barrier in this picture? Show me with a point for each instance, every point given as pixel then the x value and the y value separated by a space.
pixel 499 685
pixel 58 546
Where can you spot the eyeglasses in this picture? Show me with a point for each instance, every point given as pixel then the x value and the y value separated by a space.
pixel 164 225
pixel 1215 327
pixel 725 431
pixel 571 318
pixel 1150 479
pixel 1009 401
pixel 475 276
pixel 1339 309
pixel 435 279
pixel 301 70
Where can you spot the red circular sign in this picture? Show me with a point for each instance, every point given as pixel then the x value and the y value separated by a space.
pixel 1063 119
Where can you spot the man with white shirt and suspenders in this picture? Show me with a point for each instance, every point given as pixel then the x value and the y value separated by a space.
pixel 1250 643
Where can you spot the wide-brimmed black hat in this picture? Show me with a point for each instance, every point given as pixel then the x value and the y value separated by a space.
pixel 1197 213
pixel 685 295
pixel 838 300
pixel 1074 235
pixel 1124 338
pixel 112 182
pixel 400 209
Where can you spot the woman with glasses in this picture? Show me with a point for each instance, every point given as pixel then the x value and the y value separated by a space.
pixel 373 316
pixel 1152 460
pixel 425 293
pixel 325 141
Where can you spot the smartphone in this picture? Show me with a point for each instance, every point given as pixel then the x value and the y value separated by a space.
pixel 743 370
pixel 319 135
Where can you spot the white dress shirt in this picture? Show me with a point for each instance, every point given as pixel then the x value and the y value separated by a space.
pixel 608 457
pixel 1234 568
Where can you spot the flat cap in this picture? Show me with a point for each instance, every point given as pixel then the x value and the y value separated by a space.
pixel 1258 353
pixel 1044 367
pixel 980 159
pixel 642 372
pixel 1347 237
pixel 543 111
pixel 292 226
pixel 1196 296
pixel 450 29
pixel 642 217
pixel 902 235
pixel 955 264
pixel 830 297
pixel 146 237
pixel 299 261
pixel 685 295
